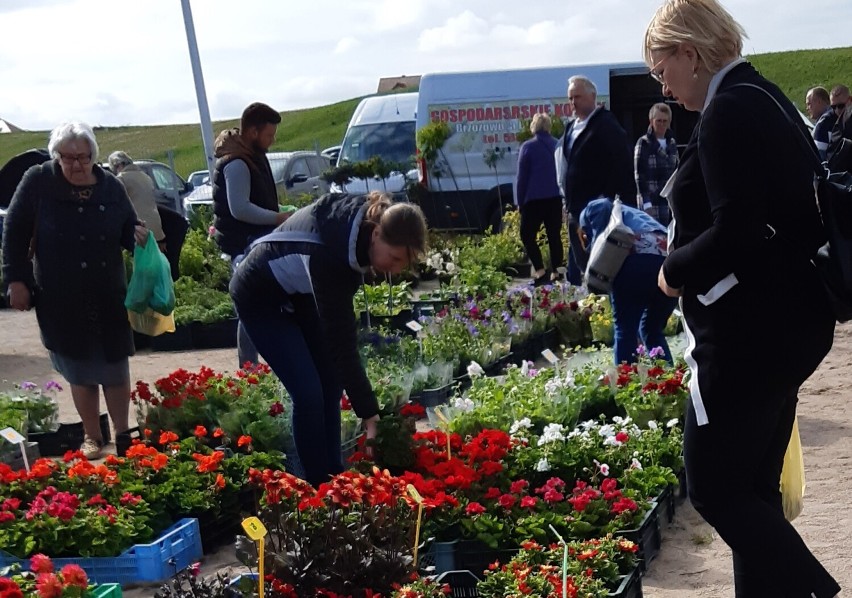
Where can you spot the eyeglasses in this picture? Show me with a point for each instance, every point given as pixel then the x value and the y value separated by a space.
pixel 658 77
pixel 83 159
pixel 838 106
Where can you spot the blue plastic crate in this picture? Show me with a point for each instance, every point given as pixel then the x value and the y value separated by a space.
pixel 175 550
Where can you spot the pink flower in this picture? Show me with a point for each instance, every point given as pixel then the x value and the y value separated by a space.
pixel 474 508
pixel 40 563
pixel 48 585
pixel 73 575
pixel 507 501
pixel 518 486
pixel 529 502
pixel 622 437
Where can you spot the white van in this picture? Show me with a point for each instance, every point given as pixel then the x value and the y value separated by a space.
pixel 381 126
pixel 485 109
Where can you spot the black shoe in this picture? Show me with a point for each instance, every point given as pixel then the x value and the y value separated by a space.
pixel 541 280
pixel 124 440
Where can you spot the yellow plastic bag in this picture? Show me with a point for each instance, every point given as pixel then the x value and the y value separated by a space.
pixel 150 322
pixel 793 476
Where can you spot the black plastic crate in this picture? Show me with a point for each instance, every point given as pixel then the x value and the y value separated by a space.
pixel 68 437
pixel 647 536
pixel 179 340
pixel 630 586
pixel 462 583
pixel 216 335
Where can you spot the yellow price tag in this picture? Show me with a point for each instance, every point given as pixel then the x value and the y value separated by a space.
pixel 414 494
pixel 254 528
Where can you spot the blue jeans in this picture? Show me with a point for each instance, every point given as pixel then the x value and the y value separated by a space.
pixel 640 309
pixel 291 342
pixel 246 351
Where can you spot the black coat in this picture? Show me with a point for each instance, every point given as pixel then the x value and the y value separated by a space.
pixel 79 268
pixel 600 163
pixel 743 169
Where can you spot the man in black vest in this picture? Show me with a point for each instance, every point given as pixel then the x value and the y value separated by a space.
pixel 245 200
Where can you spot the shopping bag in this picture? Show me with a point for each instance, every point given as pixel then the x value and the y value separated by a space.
pixel 150 322
pixel 608 252
pixel 151 283
pixel 793 476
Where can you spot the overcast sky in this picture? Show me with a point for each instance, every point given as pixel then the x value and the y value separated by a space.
pixel 126 62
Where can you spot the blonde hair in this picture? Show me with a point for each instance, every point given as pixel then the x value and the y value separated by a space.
pixel 540 122
pixel 705 24
pixel 659 107
pixel 400 224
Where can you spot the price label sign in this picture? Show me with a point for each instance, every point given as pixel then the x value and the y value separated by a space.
pixel 12 435
pixel 550 356
pixel 414 494
pixel 254 528
pixel 414 326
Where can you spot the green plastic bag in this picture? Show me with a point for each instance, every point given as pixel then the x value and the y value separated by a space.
pixel 151 282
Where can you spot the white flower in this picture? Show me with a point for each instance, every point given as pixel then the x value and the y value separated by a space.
pixel 525 367
pixel 521 424
pixel 450 267
pixel 551 433
pixel 588 424
pixel 652 425
pixel 463 404
pixel 634 464
pixel 618 420
pixel 474 370
pixel 606 431
pixel 605 469
pixel 635 453
pixel 569 379
pixel 672 423
pixel 610 441
pixel 542 465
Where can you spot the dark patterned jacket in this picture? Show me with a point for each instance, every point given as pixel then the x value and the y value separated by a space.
pixel 79 277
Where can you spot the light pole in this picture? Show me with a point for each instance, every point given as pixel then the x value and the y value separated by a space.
pixel 200 93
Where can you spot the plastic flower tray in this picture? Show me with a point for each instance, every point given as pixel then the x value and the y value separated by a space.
pixel 647 536
pixel 14 458
pixel 462 583
pixel 110 590
pixel 68 437
pixel 175 550
pixel 630 586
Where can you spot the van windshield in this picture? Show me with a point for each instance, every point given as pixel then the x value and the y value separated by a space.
pixel 393 142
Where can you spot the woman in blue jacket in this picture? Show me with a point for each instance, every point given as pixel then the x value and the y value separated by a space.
pixel 640 310
pixel 293 293
pixel 539 201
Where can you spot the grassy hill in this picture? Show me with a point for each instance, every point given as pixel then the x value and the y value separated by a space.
pixel 794 72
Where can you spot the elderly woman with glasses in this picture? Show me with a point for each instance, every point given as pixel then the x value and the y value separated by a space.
pixel 63 235
pixel 745 228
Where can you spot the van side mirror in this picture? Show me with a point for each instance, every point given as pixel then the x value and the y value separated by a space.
pixel 298 178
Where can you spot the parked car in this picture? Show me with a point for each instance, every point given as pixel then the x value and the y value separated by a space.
pixel 199 177
pixel 170 188
pixel 331 153
pixel 294 173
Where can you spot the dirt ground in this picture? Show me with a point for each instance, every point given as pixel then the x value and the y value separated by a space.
pixel 693 563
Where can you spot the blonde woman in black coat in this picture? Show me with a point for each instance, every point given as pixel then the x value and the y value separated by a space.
pixel 757 319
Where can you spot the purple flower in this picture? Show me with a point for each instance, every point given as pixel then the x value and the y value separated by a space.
pixel 656 352
pixel 487 313
pixel 27 385
pixel 473 330
pixel 640 350
pixel 52 385
pixel 526 314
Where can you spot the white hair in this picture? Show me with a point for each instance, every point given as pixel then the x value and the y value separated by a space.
pixel 67 132
pixel 118 159
pixel 584 81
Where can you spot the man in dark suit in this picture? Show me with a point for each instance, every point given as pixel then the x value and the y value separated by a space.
pixel 593 159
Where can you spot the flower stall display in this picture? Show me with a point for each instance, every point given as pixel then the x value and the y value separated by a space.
pixel 51 510
pixel 542 396
pixel 250 403
pixel 39 403
pixel 600 318
pixel 593 569
pixel 652 390
pixel 352 535
pixel 44 580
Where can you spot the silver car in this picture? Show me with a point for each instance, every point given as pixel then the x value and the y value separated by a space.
pixel 295 173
